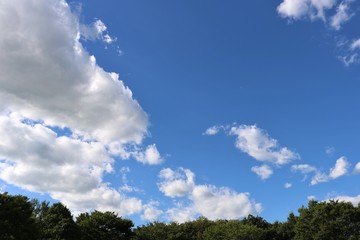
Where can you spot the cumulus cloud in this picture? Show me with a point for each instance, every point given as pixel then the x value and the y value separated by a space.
pixel 296 9
pixel 287 185
pixel 150 156
pixel 259 145
pixel 176 183
pixel 263 171
pixel 49 81
pixel 341 168
pixel 151 211
pixel 205 200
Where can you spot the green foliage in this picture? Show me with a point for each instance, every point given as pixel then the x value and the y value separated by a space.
pixel 158 230
pixel 104 226
pixel 21 219
pixel 57 223
pixel 328 220
pixel 233 230
pixel 16 218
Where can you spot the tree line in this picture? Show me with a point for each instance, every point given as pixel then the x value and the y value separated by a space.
pixel 23 218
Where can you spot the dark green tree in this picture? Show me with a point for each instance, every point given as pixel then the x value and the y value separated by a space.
pixel 16 218
pixel 331 220
pixel 58 223
pixel 233 230
pixel 194 230
pixel 157 230
pixel 104 226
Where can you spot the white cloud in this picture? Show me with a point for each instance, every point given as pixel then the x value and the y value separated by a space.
pixel 329 151
pixel 257 143
pixel 177 183
pixel 213 130
pixel 343 14
pixel 293 8
pixel 303 168
pixel 48 80
pixel 287 185
pixel 319 177
pixel 68 169
pixel 222 203
pixel 263 171
pixel 323 9
pixel 150 156
pixel 357 168
pixel 353 200
pixel 59 83
pixel 151 211
pixel 355 44
pixel 205 200
pixel 296 9
pixel 96 31
pixel 341 168
pixel 321 6
pixel 311 197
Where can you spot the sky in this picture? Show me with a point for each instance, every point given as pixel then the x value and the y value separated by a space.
pixel 171 110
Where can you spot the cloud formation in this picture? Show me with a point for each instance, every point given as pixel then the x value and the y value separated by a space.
pixel 263 171
pixel 334 15
pixel 49 81
pixel 205 200
pixel 259 145
pixel 340 169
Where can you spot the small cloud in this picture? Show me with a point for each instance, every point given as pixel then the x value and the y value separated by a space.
pixel 150 156
pixel 355 44
pixel 287 185
pixel 357 168
pixel 264 171
pixel 329 151
pixel 213 130
pixel 311 197
pixel 96 31
pixel 340 169
pixel 177 183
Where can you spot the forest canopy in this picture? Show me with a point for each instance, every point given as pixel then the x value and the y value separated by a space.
pixel 24 218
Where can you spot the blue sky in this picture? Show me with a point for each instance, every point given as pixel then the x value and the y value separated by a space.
pixel 167 111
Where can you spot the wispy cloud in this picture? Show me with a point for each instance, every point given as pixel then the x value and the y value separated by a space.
pixel 340 169
pixel 324 10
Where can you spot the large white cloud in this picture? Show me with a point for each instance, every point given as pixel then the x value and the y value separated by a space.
pixel 47 75
pixel 205 200
pixel 49 81
pixel 259 145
